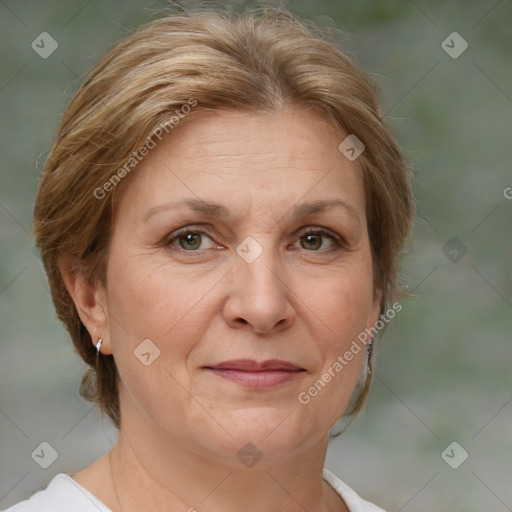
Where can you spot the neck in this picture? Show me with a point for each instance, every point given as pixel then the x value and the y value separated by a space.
pixel 160 478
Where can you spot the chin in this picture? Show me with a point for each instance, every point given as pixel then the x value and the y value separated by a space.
pixel 262 432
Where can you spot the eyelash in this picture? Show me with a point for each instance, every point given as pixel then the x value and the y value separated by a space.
pixel 338 241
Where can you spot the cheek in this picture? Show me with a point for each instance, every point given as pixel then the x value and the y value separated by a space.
pixel 342 307
pixel 342 304
pixel 157 303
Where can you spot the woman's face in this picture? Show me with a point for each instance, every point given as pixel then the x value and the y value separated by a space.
pixel 246 283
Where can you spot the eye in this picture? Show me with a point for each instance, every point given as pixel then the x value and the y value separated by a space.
pixel 313 240
pixel 188 240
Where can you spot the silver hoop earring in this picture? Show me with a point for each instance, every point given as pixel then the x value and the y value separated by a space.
pixel 98 346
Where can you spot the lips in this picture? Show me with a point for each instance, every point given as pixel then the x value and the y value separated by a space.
pixel 257 375
pixel 249 365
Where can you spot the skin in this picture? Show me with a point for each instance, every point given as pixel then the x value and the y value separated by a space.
pixel 302 300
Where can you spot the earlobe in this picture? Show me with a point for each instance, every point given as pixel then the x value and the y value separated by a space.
pixel 89 297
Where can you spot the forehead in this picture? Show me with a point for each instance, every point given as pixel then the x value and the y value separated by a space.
pixel 239 158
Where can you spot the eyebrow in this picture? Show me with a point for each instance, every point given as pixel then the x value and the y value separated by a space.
pixel 221 212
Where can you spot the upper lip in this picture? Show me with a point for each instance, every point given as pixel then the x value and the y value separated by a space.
pixel 249 365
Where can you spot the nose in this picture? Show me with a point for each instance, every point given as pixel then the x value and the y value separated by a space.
pixel 259 295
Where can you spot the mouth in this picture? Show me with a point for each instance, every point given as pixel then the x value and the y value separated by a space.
pixel 257 375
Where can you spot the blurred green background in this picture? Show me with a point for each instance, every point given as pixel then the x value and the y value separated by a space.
pixel 443 370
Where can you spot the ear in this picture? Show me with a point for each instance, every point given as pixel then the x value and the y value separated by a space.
pixel 89 296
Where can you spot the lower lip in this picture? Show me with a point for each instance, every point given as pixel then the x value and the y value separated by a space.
pixel 258 380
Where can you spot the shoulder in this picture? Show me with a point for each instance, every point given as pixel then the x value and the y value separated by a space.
pixel 61 495
pixel 353 501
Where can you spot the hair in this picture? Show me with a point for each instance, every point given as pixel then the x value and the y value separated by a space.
pixel 260 60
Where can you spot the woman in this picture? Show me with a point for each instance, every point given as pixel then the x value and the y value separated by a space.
pixel 221 219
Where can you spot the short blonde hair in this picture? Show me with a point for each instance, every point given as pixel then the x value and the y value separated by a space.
pixel 254 61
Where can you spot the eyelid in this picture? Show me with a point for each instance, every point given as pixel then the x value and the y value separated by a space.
pixel 324 231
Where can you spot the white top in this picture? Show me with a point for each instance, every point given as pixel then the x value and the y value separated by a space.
pixel 64 494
